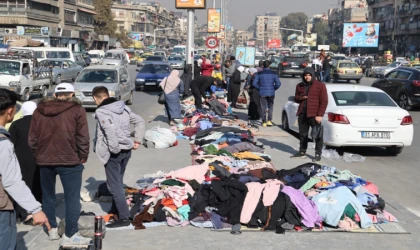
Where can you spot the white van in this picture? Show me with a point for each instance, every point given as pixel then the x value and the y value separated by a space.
pixel 117 57
pixel 96 56
pixel 42 53
pixel 180 50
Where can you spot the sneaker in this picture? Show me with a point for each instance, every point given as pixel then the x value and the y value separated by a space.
pixel 53 234
pixel 317 158
pixel 264 124
pixel 75 240
pixel 301 155
pixel 119 223
pixel 269 123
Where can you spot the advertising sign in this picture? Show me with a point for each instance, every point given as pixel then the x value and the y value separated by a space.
pixel 32 31
pixel 136 36
pixel 324 47
pixel 273 43
pixel 361 35
pixel 190 4
pixel 213 20
pixel 245 55
pixel 308 39
pixel 250 43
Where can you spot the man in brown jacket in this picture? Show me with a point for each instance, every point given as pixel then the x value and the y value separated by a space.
pixel 313 100
pixel 59 140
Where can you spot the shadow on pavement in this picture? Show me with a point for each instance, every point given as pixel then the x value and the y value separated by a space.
pixel 277 145
pixel 363 151
pixel 160 118
pixel 20 244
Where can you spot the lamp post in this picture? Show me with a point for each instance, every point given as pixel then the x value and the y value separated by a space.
pixel 154 35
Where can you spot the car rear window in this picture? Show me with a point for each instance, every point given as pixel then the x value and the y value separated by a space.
pixel 155 68
pixel 348 65
pixel 361 98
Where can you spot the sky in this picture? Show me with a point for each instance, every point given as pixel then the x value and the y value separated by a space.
pixel 242 12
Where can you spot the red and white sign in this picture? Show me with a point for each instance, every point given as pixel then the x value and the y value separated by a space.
pixel 212 42
pixel 273 43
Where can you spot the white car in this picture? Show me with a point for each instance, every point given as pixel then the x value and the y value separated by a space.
pixel 359 116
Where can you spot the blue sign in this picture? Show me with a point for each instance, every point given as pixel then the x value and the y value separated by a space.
pixel 360 35
pixel 249 56
pixel 240 54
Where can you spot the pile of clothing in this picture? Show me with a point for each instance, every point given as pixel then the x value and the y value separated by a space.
pixel 233 184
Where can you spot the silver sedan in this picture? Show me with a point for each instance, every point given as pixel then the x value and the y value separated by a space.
pixel 63 70
pixel 176 62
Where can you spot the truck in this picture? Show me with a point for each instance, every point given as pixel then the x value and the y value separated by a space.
pixel 21 73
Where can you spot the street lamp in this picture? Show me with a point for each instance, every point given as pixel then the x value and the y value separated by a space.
pixel 154 35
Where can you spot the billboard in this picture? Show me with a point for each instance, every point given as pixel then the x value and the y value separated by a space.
pixel 34 31
pixel 273 43
pixel 360 35
pixel 213 20
pixel 309 39
pixel 190 4
pixel 245 55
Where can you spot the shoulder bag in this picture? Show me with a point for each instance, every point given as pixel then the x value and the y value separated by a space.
pixel 162 98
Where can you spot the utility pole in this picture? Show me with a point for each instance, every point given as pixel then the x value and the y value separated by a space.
pixel 190 40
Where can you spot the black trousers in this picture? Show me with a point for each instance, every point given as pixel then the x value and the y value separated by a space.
pixel 197 96
pixel 304 124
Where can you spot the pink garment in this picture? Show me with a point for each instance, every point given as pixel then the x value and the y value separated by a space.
pixel 270 190
pixel 195 172
pixel 389 217
pixel 373 218
pixel 357 217
pixel 311 193
pixel 259 165
pixel 174 223
pixel 188 188
pixel 371 188
pixel 154 193
pixel 178 194
pixel 194 119
pixel 215 158
pixel 347 224
pixel 224 103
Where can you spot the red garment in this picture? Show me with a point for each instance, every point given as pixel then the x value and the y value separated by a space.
pixel 317 98
pixel 206 68
pixel 190 131
pixel 185 202
pixel 371 188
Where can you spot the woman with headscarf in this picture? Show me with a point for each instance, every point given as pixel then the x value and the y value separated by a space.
pixel 19 131
pixel 235 86
pixel 172 87
pixel 254 96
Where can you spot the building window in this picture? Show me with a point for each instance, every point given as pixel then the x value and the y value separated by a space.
pixel 88 2
pixel 69 16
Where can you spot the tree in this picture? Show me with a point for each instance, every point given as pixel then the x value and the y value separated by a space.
pixel 322 30
pixel 333 47
pixel 124 38
pixel 296 20
pixel 104 20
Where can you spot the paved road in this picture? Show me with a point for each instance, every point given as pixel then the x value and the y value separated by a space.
pixel 396 178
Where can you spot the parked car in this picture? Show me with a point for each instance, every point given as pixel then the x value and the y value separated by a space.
pixel 403 85
pixel 293 65
pixel 115 78
pixel 176 62
pixel 151 74
pixel 79 60
pixel 63 70
pixel 359 116
pixel 381 71
pixel 347 70
pixel 151 59
pixel 116 57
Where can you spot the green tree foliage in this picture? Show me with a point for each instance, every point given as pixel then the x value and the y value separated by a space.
pixel 296 20
pixel 322 30
pixel 124 38
pixel 333 47
pixel 104 20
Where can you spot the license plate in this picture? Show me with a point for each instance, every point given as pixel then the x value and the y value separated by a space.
pixel 351 71
pixel 295 67
pixel 376 135
pixel 150 83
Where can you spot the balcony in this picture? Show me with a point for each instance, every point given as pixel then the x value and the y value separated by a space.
pixel 50 2
pixel 412 26
pixel 70 22
pixel 73 2
pixel 29 13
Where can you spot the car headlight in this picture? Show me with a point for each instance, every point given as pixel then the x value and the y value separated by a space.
pixel 112 93
pixel 139 80
pixel 17 84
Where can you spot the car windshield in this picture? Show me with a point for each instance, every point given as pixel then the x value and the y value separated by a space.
pixel 155 69
pixel 97 76
pixel 58 54
pixel 394 64
pixel 113 56
pixel 54 64
pixel 348 65
pixel 94 55
pixel 259 57
pixel 178 50
pixel 338 57
pixel 359 98
pixel 9 68
pixel 175 58
pixel 154 58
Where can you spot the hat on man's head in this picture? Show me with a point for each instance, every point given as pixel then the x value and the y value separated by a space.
pixel 64 88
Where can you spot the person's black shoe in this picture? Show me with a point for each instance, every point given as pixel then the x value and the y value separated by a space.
pixel 316 158
pixel 119 223
pixel 300 155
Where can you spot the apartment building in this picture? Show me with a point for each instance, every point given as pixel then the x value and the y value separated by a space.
pixel 243 36
pixel 399 25
pixel 56 23
pixel 145 20
pixel 267 27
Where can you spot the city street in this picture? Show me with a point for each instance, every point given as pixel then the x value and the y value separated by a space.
pixel 396 178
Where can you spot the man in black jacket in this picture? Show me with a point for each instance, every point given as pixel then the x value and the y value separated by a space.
pixel 326 67
pixel 368 64
pixel 199 87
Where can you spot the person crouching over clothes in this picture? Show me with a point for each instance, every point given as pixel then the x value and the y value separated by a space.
pixel 113 145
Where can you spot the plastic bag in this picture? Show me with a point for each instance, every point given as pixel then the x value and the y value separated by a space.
pixel 349 157
pixel 331 154
pixel 161 137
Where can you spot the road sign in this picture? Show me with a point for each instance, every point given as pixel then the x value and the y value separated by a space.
pixel 212 42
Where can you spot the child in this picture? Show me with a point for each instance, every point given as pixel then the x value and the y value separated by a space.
pixel 217 72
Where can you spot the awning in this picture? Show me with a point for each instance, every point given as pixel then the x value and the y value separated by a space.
pixel 87 11
pixel 26 43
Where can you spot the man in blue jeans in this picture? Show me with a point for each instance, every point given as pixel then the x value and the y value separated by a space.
pixel 113 145
pixel 267 82
pixel 59 140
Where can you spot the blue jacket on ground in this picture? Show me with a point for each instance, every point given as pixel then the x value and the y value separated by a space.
pixel 267 82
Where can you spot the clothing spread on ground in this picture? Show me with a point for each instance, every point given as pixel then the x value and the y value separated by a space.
pixel 233 183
